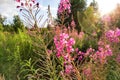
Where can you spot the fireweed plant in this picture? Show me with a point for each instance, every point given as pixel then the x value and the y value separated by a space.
pixel 64 12
pixel 64 43
pixel 30 9
pixel 64 7
pixel 113 35
pixel 64 47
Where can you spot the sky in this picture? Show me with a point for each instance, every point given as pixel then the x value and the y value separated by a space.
pixel 106 6
pixel 8 7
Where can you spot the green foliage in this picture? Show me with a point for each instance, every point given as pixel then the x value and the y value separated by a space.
pixel 44 65
pixel 86 42
pixel 94 4
pixel 78 6
pixel 1 27
pixel 2 19
pixel 88 21
pixel 113 70
pixel 14 49
pixel 17 24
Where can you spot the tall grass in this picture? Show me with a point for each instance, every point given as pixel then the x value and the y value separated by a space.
pixel 14 48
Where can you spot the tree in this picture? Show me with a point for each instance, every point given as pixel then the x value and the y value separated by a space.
pixel 17 23
pixel 82 15
pixel 94 4
pixel 78 6
pixel 2 19
pixel 88 20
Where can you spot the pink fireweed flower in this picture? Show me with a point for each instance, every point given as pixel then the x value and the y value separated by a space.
pixel 110 33
pixel 64 6
pixel 73 23
pixel 49 51
pixel 30 5
pixel 108 50
pixel 81 35
pixel 58 54
pixel 77 50
pixel 87 72
pixel 17 0
pixel 22 4
pixel 33 1
pixel 69 49
pixel 26 4
pixel 37 4
pixel 80 55
pixel 64 36
pixel 113 35
pixel 64 48
pixel 89 50
pixel 103 52
pixel 68 68
pixel 71 41
pixel 18 7
pixel 66 57
pixel 69 44
pixel 106 18
pixel 94 57
pixel 100 43
pixel 94 33
pixel 117 32
pixel 62 43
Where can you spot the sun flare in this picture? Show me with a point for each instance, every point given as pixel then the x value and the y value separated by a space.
pixel 106 6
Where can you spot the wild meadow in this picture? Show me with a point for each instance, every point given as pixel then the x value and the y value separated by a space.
pixel 77 45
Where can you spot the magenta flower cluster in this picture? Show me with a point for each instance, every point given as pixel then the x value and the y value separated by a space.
pixel 64 6
pixel 64 48
pixel 17 0
pixel 64 44
pixel 106 18
pixel 99 55
pixel 25 0
pixel 102 53
pixel 113 35
pixel 81 55
pixel 24 4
